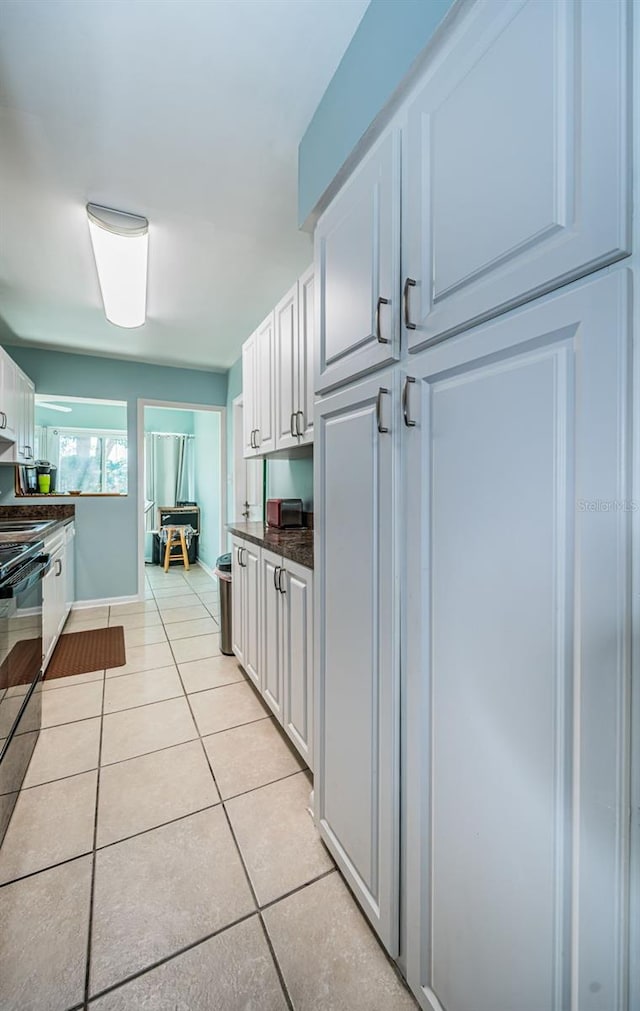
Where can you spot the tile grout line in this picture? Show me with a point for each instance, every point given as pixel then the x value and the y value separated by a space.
pixel 93 860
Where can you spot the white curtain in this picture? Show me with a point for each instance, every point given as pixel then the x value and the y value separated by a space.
pixel 169 472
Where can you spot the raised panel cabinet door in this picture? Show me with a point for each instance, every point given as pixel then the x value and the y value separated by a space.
pixel 69 565
pixel 306 346
pixel 297 656
pixel 8 404
pixel 286 354
pixel 265 385
pixel 249 405
pixel 30 416
pixel 357 647
pixel 237 600
pixel 517 652
pixel 251 604
pixel 272 669
pixel 357 249
pixel 516 161
pixel 49 614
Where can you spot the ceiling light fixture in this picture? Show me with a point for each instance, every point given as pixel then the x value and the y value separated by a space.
pixel 120 246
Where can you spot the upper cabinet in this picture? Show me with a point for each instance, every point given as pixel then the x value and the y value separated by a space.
pixel 17 413
pixel 515 180
pixel 508 193
pixel 258 383
pixel 357 256
pixel 277 375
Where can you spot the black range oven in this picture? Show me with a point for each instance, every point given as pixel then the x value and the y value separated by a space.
pixel 22 569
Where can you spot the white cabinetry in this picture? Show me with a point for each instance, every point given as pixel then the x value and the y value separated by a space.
pixel 57 587
pixel 517 664
pixel 245 639
pixel 8 397
pixel 516 161
pixel 17 413
pixel 357 262
pixel 258 382
pixel 287 647
pixel 294 323
pixel 25 435
pixel 358 656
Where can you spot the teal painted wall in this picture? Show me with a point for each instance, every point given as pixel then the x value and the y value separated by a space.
pixel 209 491
pixel 168 419
pixel 107 528
pixel 108 416
pixel 291 479
pixel 390 37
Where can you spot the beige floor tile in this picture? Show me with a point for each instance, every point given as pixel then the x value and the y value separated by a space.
pixel 325 946
pixel 238 960
pixel 8 711
pixel 170 601
pixel 74 625
pixel 144 636
pixel 286 852
pixel 43 941
pixel 196 647
pixel 212 672
pixel 174 615
pixel 209 597
pixel 50 823
pixel 188 629
pixel 85 613
pixel 250 756
pixel 73 679
pixel 149 728
pixel 141 658
pixel 170 587
pixel 145 792
pixel 64 751
pixel 78 702
pixel 229 706
pixel 142 619
pixel 184 879
pixel 134 607
pixel 140 689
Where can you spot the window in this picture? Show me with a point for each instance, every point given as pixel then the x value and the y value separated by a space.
pixel 92 462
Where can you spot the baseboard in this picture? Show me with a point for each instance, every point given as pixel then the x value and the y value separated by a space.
pixel 210 572
pixel 80 605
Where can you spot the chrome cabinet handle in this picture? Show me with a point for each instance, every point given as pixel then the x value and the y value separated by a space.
pixel 59 564
pixel 29 455
pixel 299 414
pixel 405 402
pixel 381 428
pixel 381 301
pixel 257 445
pixel 282 573
pixel 252 443
pixel 409 283
pixel 244 551
pixel 293 434
pixel 276 573
pixel 4 419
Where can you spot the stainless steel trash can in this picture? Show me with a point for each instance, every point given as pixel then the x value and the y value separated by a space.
pixel 223 572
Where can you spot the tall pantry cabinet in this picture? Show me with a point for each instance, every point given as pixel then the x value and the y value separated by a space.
pixel 472 592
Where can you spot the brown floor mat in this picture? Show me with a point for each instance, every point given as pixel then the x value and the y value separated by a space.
pixel 19 666
pixel 81 652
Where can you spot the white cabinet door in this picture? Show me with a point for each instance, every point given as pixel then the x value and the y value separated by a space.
pixel 357 255
pixel 517 659
pixel 306 345
pixel 249 405
pixel 516 161
pixel 49 612
pixel 237 600
pixel 286 353
pixel 29 408
pixel 357 660
pixel 69 564
pixel 265 385
pixel 272 665
pixel 8 404
pixel 297 655
pixel 251 610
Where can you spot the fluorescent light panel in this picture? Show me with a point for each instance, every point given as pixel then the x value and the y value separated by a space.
pixel 120 246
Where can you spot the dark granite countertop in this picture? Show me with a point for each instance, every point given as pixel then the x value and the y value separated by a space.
pixel 54 515
pixel 293 543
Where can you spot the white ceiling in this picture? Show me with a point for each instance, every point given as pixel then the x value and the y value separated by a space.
pixel 186 111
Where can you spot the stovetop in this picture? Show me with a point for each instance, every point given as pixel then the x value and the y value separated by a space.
pixel 15 553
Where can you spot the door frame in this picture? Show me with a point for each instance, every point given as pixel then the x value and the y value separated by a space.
pixel 174 405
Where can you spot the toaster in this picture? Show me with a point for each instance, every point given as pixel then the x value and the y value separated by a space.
pixel 284 512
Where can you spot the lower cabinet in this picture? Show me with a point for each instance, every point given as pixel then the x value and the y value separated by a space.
pixel 57 588
pixel 245 588
pixel 287 647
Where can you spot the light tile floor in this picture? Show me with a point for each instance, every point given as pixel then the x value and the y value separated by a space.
pixel 161 854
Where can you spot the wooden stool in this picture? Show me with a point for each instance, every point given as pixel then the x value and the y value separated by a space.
pixel 175 538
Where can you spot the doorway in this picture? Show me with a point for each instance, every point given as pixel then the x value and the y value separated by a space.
pixel 181 479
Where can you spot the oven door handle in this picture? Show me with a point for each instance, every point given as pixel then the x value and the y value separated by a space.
pixel 12 589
